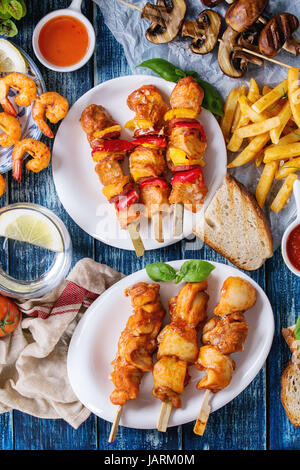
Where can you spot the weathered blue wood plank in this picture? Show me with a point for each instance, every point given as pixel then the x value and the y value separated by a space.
pixel 30 432
pixel 284 290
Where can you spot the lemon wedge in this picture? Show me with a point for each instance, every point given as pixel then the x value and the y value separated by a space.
pixel 11 59
pixel 31 227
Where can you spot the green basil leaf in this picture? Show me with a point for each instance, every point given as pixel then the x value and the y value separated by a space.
pixel 8 28
pixel 196 270
pixel 15 8
pixel 178 278
pixel 163 68
pixel 160 272
pixel 297 331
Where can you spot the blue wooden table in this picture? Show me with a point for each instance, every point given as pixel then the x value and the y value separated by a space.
pixel 253 420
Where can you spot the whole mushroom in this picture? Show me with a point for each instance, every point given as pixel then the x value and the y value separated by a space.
pixel 166 17
pixel 233 61
pixel 243 13
pixel 204 31
pixel 278 33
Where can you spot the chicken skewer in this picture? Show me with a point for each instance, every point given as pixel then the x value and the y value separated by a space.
pixel 187 144
pixel 136 345
pixel 223 335
pixel 108 150
pixel 178 348
pixel 147 161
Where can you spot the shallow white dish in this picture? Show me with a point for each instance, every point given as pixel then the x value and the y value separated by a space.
pixel 94 345
pixel 78 185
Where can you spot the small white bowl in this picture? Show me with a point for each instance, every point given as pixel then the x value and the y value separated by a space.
pixel 296 191
pixel 74 10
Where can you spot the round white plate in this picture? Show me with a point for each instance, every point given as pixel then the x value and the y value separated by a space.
pixel 78 185
pixel 24 115
pixel 94 345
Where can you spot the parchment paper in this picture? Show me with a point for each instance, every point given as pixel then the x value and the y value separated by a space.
pixel 129 29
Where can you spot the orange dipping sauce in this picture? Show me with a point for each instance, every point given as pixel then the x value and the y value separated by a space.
pixel 293 247
pixel 63 41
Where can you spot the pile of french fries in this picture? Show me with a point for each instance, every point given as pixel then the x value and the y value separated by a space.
pixel 270 121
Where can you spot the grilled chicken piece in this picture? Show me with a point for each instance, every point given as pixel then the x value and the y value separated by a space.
pixel 228 334
pixel 126 378
pixel 237 295
pixel 219 369
pixel 148 104
pixel 191 303
pixel 145 162
pixel 178 339
pixel 137 341
pixel 95 118
pixel 187 94
pixel 109 171
pixel 155 199
pixel 188 140
pixel 192 195
pixel 170 377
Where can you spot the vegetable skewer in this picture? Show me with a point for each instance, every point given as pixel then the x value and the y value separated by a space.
pixel 221 337
pixel 178 348
pixel 136 345
pixel 108 150
pixel 147 161
pixel 187 144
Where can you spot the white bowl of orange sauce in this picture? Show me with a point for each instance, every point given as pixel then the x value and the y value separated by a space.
pixel 64 40
pixel 290 244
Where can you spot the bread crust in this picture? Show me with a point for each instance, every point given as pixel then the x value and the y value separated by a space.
pixel 286 399
pixel 262 223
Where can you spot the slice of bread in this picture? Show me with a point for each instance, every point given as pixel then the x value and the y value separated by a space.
pixel 290 392
pixel 235 226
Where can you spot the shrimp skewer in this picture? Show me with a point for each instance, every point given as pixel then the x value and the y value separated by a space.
pixel 26 87
pixel 40 156
pixel 53 106
pixel 221 337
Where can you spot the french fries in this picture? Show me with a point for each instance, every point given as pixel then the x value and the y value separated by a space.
pixel 258 128
pixel 289 167
pixel 230 108
pixel 265 182
pixel 267 118
pixel 283 194
pixel 294 93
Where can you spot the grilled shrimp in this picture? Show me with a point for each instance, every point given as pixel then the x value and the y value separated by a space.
pixel 2 185
pixel 12 130
pixel 23 84
pixel 39 152
pixel 53 106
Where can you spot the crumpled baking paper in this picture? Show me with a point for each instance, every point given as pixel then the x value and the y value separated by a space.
pixel 128 28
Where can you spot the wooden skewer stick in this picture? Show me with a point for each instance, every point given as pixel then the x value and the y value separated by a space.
pixel 204 412
pixel 178 219
pixel 131 5
pixel 114 428
pixel 164 416
pixel 136 239
pixel 158 227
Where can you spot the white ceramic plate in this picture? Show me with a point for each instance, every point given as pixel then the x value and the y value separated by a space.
pixel 24 115
pixel 94 345
pixel 78 185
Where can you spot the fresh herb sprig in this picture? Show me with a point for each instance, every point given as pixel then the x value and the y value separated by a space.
pixel 297 331
pixel 11 9
pixel 191 271
pixel 212 99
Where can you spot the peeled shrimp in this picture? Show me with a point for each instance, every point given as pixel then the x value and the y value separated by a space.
pixel 12 130
pixel 51 104
pixel 39 152
pixel 23 84
pixel 2 185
